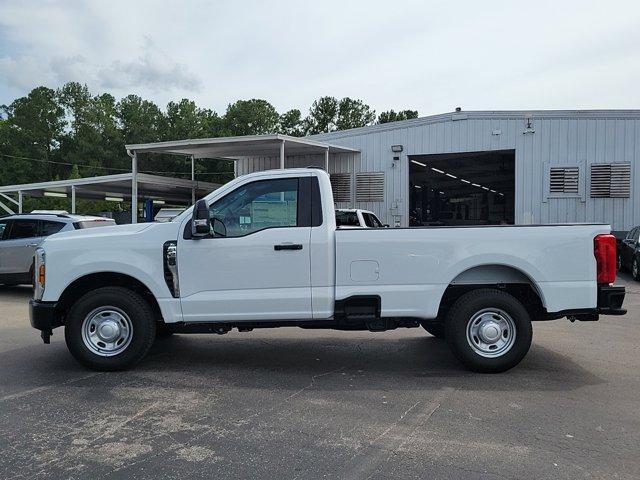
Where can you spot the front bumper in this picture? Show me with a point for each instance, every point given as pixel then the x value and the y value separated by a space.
pixel 44 317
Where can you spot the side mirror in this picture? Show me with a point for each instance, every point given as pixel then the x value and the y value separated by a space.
pixel 200 221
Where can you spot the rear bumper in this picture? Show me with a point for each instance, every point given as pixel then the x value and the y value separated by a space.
pixel 43 317
pixel 610 299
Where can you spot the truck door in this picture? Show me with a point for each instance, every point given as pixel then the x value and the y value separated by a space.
pixel 256 265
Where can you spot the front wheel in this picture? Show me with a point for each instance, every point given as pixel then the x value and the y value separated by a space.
pixel 488 330
pixel 110 328
pixel 435 329
pixel 635 269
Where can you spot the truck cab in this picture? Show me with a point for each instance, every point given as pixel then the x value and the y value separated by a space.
pixel 264 251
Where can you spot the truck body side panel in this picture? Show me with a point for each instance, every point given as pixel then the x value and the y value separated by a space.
pixel 416 265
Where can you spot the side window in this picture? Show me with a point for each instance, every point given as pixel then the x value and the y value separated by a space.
pixel 371 221
pixel 636 234
pixel 631 234
pixel 258 205
pixel 4 229
pixel 48 227
pixel 347 219
pixel 23 229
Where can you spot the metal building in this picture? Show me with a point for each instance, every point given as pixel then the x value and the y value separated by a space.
pixel 488 167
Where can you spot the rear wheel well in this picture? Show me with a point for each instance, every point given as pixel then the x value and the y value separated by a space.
pixel 83 285
pixel 525 293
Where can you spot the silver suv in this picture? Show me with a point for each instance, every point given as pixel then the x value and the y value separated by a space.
pixel 21 234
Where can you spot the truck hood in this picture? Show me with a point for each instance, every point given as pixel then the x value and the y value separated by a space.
pixel 100 232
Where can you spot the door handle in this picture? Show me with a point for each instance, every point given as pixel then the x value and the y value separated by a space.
pixel 31 245
pixel 288 246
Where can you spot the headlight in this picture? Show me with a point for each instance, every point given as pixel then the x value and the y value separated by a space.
pixel 39 272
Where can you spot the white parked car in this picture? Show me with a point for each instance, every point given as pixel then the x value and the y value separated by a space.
pixel 357 218
pixel 264 251
pixel 21 234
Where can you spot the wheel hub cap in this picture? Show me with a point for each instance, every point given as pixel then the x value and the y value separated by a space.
pixel 491 332
pixel 107 331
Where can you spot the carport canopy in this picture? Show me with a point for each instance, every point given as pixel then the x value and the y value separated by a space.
pixel 234 148
pixel 120 186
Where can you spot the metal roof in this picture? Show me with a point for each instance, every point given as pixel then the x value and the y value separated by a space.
pixel 239 147
pixel 149 186
pixel 478 114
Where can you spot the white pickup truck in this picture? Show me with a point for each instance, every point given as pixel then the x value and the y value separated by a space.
pixel 264 251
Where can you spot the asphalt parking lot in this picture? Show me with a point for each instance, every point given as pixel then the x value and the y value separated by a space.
pixel 289 403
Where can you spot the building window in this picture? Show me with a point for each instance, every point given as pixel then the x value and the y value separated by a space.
pixel 563 180
pixel 341 186
pixel 370 187
pixel 611 180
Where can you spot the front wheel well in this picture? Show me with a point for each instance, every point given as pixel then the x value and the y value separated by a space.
pixel 525 293
pixel 93 281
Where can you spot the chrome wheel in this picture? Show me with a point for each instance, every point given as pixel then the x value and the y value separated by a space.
pixel 491 332
pixel 634 268
pixel 107 331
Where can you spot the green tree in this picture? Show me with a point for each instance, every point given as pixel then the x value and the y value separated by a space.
pixel 353 114
pixel 323 115
pixel 250 117
pixel 291 123
pixel 328 114
pixel 393 116
pixel 140 121
pixel 33 128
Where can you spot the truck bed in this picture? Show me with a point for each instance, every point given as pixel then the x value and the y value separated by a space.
pixel 410 268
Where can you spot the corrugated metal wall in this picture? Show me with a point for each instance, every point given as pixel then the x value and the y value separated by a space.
pixel 556 138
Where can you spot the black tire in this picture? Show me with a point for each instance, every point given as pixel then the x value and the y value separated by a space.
pixel 139 313
pixel 464 310
pixel 635 269
pixel 163 330
pixel 435 329
pixel 619 264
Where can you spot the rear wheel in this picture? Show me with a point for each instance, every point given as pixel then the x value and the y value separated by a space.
pixel 110 328
pixel 435 329
pixel 488 330
pixel 635 269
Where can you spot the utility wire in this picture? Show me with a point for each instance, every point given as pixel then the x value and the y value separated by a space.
pixel 102 167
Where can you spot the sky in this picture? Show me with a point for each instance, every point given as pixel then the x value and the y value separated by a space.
pixel 431 56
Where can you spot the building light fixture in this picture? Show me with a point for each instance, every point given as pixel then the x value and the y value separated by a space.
pixel 55 194
pixel 114 199
pixel 449 175
pixel 464 181
pixel 158 202
pixel 418 163
pixel 436 170
pixel 396 148
pixel 475 184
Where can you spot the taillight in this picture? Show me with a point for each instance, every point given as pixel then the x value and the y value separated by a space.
pixel 604 249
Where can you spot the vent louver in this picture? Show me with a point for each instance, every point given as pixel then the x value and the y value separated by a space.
pixel 341 186
pixel 370 187
pixel 563 180
pixel 611 180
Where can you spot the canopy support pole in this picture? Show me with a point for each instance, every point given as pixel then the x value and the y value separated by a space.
pixel 19 201
pixel 193 181
pixel 134 187
pixel 73 199
pixel 282 155
pixel 326 160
